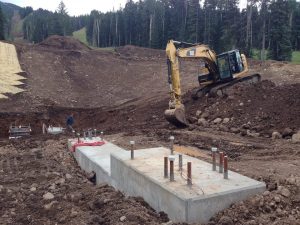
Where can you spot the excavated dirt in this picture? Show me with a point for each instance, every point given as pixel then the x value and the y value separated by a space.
pixel 261 108
pixel 124 92
pixel 66 43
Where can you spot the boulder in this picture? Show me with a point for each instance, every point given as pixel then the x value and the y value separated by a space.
pixel 217 120
pixel 48 196
pixel 276 135
pixel 198 113
pixel 122 218
pixel 296 138
pixel 205 115
pixel 285 192
pixel 203 122
pixel 226 120
pixel 287 132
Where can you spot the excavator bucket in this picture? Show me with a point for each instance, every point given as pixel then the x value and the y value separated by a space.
pixel 176 117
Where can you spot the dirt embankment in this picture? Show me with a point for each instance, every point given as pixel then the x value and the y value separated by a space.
pixel 262 109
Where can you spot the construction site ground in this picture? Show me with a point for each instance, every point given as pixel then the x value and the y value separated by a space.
pixel 124 92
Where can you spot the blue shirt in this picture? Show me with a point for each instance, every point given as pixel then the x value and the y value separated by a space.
pixel 70 121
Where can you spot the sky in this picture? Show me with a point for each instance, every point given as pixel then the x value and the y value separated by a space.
pixel 78 7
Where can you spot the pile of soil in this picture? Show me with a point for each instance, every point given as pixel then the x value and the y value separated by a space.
pixel 41 184
pixel 65 43
pixel 260 108
pixel 276 204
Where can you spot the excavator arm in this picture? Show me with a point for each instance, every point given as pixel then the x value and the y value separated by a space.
pixel 176 113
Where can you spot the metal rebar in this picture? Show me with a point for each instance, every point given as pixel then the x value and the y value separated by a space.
pixel 132 149
pixel 166 167
pixel 78 137
pixel 221 162
pixel 172 160
pixel 225 167
pixel 180 162
pixel 172 171
pixel 189 173
pixel 172 138
pixel 214 164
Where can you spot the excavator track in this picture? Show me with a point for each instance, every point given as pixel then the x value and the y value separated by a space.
pixel 219 88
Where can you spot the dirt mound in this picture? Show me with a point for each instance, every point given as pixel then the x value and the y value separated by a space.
pixel 276 204
pixel 140 53
pixel 67 43
pixel 261 108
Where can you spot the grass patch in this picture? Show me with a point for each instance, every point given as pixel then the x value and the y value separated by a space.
pixel 296 57
pixel 81 35
pixel 255 54
pixel 109 49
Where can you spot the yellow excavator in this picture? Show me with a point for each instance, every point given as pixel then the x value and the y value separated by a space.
pixel 218 73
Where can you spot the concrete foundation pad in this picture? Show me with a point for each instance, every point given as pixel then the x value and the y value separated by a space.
pixel 209 194
pixel 144 177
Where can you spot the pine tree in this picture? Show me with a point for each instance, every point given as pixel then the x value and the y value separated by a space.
pixel 296 28
pixel 280 33
pixel 61 9
pixel 192 24
pixel 1 24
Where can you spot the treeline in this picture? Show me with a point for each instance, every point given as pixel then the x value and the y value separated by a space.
pixel 42 23
pixel 2 20
pixel 270 25
pixel 7 13
pixel 263 24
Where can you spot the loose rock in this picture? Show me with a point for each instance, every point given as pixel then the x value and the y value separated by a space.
pixel 48 196
pixel 296 138
pixel 122 218
pixel 226 120
pixel 217 120
pixel 276 135
pixel 285 192
pixel 198 113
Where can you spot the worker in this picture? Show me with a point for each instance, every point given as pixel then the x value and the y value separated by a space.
pixel 70 122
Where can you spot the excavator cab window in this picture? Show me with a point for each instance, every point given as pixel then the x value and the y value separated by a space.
pixel 229 63
pixel 224 67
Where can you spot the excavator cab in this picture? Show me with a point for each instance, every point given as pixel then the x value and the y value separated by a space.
pixel 229 63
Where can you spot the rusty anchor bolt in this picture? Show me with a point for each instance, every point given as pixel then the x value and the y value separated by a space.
pixel 221 162
pixel 166 167
pixel 132 143
pixel 172 160
pixel 214 163
pixel 78 137
pixel 225 167
pixel 180 162
pixel 172 138
pixel 189 173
